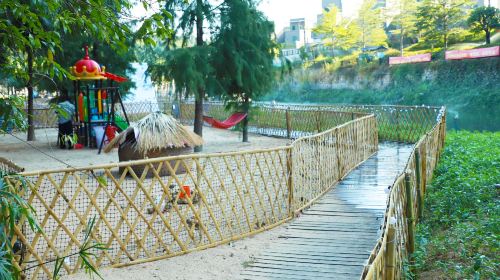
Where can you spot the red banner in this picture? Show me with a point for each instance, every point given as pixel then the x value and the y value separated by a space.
pixel 475 53
pixel 426 57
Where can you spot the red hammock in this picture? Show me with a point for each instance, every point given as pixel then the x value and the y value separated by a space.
pixel 233 120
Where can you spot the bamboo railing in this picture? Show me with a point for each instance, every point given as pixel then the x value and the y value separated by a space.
pixel 149 216
pixel 394 250
pixel 395 123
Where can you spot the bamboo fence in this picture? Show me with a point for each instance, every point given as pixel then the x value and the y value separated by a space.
pixel 146 217
pixel 394 249
pixel 395 123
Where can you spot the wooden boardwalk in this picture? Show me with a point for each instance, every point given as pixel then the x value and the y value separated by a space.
pixel 334 238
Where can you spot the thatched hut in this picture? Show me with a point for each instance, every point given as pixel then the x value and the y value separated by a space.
pixel 156 135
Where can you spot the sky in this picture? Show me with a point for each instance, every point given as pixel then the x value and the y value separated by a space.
pixel 281 11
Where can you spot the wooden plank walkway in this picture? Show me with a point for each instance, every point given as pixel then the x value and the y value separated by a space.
pixel 334 238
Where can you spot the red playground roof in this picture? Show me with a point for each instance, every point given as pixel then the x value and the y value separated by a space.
pixel 114 77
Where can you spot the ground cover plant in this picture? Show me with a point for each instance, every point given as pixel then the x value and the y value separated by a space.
pixel 458 237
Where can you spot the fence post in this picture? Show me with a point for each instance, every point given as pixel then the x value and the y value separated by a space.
pixel 423 150
pixel 398 135
pixel 409 218
pixel 420 200
pixel 337 153
pixel 390 251
pixel 318 122
pixel 288 123
pixel 289 166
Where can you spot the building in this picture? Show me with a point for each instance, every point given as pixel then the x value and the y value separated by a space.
pixel 492 3
pixel 328 3
pixel 296 35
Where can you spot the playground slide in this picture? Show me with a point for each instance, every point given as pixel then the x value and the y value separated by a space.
pixel 121 123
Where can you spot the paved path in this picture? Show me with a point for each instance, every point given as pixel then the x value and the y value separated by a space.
pixel 334 238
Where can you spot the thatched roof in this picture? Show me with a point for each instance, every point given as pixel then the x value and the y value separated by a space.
pixel 158 131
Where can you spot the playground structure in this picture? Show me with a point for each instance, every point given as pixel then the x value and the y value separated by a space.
pixel 95 102
pixel 240 193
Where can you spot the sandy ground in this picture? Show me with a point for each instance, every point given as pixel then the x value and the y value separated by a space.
pixel 222 262
pixel 216 140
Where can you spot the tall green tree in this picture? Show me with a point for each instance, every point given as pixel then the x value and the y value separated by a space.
pixel 406 20
pixel 31 32
pixel 337 32
pixel 437 18
pixel 484 19
pixel 192 16
pixel 243 55
pixel 371 25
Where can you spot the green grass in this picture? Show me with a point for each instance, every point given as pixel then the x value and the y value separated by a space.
pixel 458 238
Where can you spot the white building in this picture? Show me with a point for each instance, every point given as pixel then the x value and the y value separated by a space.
pixel 297 35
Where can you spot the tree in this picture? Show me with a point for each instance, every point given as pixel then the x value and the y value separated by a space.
pixel 194 14
pixel 31 32
pixel 243 55
pixel 371 25
pixel 338 33
pixel 485 19
pixel 406 19
pixel 437 18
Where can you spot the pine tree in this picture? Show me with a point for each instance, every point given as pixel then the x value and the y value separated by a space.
pixel 243 55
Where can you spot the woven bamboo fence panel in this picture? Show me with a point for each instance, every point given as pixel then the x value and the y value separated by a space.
pixel 321 160
pixel 138 110
pixel 395 123
pixel 8 167
pixel 149 216
pixel 44 118
pixel 394 249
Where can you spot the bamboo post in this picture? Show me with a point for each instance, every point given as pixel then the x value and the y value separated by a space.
pixel 398 136
pixel 318 122
pixel 288 123
pixel 423 150
pixel 409 218
pixel 420 200
pixel 390 253
pixel 289 166
pixel 337 154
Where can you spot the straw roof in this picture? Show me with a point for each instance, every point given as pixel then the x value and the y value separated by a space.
pixel 158 131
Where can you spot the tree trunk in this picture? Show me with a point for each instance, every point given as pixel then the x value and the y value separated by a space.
pixel 245 120
pixel 488 35
pixel 401 39
pixel 198 117
pixel 198 105
pixel 445 42
pixel 31 127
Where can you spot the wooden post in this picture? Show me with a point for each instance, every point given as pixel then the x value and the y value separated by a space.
pixel 318 122
pixel 420 200
pixel 288 123
pixel 337 150
pixel 289 166
pixel 390 253
pixel 423 150
pixel 409 219
pixel 397 126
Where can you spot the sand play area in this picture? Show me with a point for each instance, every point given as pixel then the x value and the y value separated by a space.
pixel 223 262
pixel 216 140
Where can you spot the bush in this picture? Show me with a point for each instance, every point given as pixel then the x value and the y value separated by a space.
pixel 458 237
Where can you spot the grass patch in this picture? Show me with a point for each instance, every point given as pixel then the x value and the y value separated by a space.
pixel 458 238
